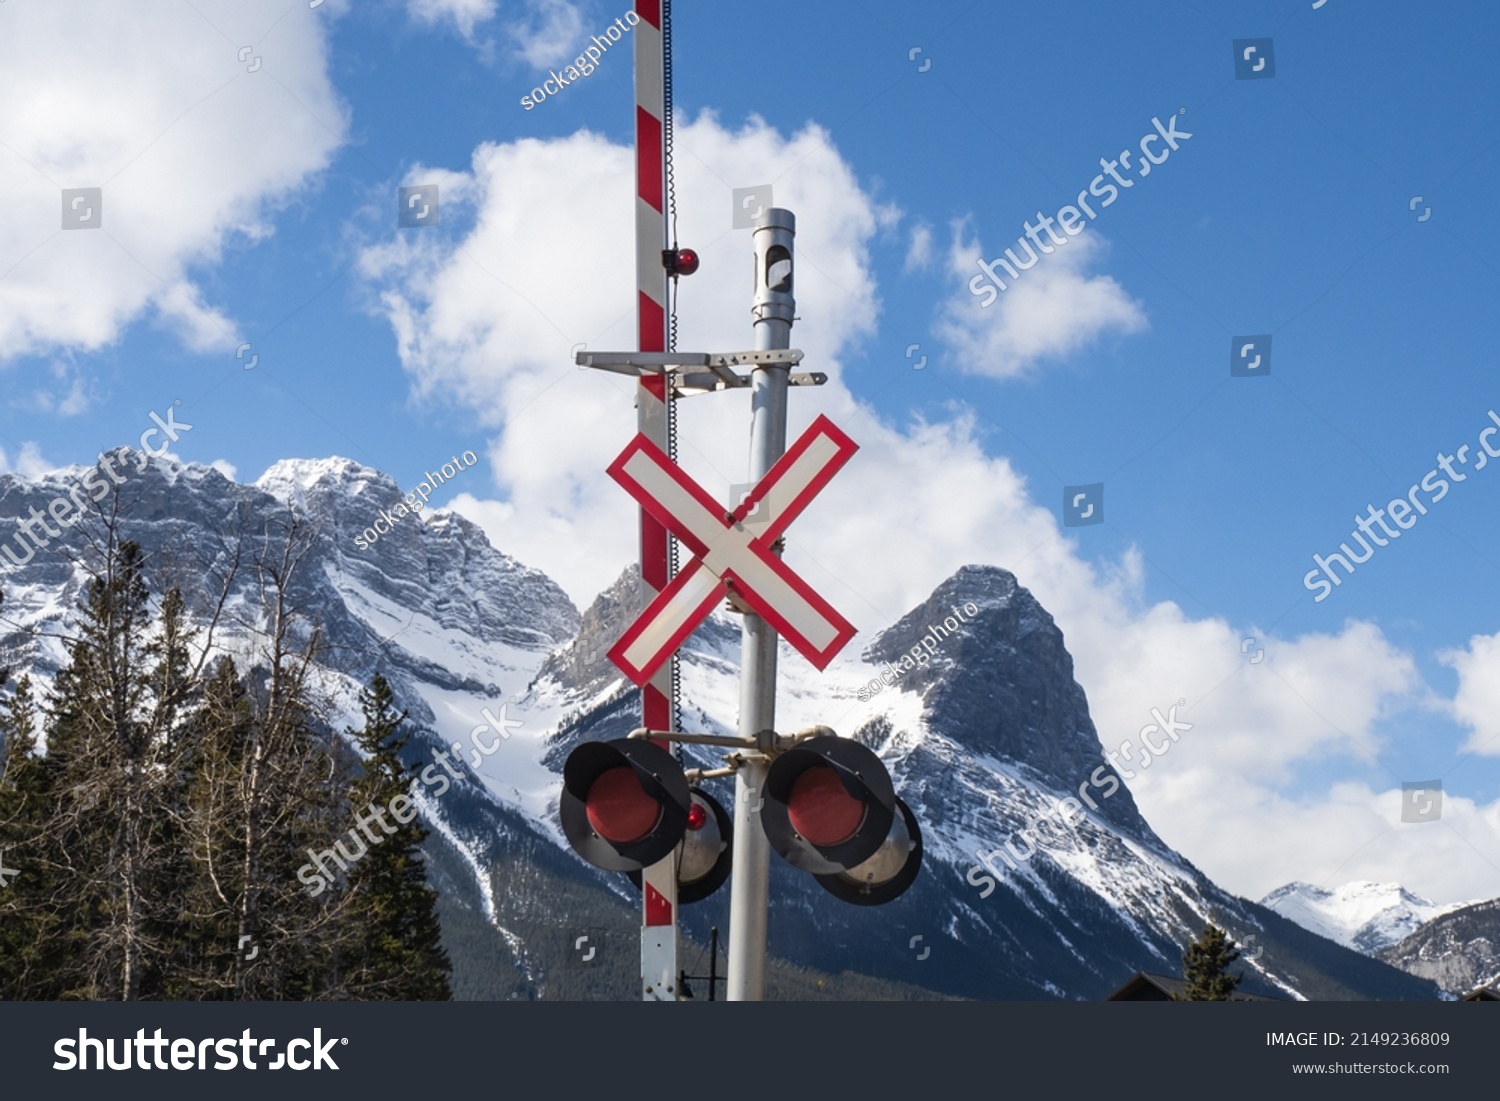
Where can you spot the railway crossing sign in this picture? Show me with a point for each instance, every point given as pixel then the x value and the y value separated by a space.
pixel 733 553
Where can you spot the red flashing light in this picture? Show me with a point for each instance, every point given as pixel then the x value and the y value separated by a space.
pixel 821 810
pixel 682 261
pixel 697 817
pixel 619 809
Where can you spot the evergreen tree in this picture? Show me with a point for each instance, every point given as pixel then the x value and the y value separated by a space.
pixel 1205 966
pixel 396 950
pixel 114 705
pixel 29 933
pixel 160 839
pixel 170 700
pixel 213 761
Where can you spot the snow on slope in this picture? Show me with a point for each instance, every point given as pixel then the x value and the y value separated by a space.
pixel 1360 915
pixel 1146 884
pixel 467 633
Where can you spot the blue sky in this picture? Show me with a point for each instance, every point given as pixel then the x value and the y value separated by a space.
pixel 271 202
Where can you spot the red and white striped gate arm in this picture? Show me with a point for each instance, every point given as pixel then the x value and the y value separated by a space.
pixel 658 882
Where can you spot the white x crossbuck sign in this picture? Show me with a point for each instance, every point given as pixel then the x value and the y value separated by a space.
pixel 732 551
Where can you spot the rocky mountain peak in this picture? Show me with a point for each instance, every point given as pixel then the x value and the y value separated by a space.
pixel 298 481
pixel 996 677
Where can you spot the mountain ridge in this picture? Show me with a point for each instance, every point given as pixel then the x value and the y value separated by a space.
pixel 982 739
pixel 1367 917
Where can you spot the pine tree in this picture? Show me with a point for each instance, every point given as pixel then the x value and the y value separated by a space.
pixel 160 834
pixel 1205 965
pixel 215 740
pixel 171 697
pixel 396 950
pixel 29 933
pixel 106 745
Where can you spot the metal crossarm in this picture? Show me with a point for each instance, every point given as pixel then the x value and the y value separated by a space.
pixel 719 373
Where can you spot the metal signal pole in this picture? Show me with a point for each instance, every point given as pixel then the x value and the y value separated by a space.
pixel 773 311
pixel 735 552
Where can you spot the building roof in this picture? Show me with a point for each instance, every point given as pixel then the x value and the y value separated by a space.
pixel 1147 986
pixel 1482 994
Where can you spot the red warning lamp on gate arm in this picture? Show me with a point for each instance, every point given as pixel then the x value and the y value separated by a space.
pixel 679 261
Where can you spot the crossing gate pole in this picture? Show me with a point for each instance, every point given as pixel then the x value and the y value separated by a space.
pixel 659 881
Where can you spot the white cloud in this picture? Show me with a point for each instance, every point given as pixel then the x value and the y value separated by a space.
pixel 74 402
pixel 202 328
pixel 1476 704
pixel 1257 839
pixel 226 468
pixel 919 252
pixel 463 14
pixel 1052 310
pixel 151 104
pixel 548 264
pixel 552 33
pixel 67 396
pixel 487 319
pixel 545 33
pixel 28 463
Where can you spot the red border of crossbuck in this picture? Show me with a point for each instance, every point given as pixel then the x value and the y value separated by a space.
pixel 728 553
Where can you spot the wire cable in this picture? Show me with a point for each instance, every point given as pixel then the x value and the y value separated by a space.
pixel 671 395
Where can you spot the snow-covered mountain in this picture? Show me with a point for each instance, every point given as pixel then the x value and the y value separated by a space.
pixel 984 738
pixel 1364 916
pixel 1459 950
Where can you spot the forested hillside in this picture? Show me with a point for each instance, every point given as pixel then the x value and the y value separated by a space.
pixel 161 804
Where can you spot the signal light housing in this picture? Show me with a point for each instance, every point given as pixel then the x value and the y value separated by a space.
pixel 829 808
pixel 887 874
pixel 624 804
pixel 707 852
pixel 829 805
